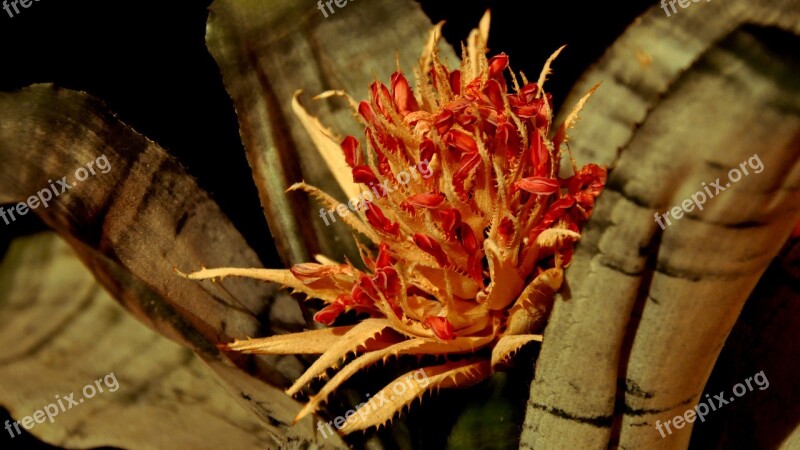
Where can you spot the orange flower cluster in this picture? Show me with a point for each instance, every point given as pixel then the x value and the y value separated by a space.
pixel 468 258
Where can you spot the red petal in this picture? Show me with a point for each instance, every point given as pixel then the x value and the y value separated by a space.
pixel 364 174
pixel 328 314
pixel 376 130
pixel 381 95
pixel 494 93
pixel 443 121
pixel 490 116
pixel 542 119
pixel 525 95
pixel 441 327
pixel 368 287
pixel 368 114
pixel 467 164
pixel 585 186
pixel 533 109
pixel 431 200
pixel 387 281
pixel 467 238
pixel 497 64
pixel 558 209
pixel 455 81
pixel 431 247
pixel 403 95
pixel 590 178
pixel 383 161
pixel 360 296
pixel 459 140
pixel 506 141
pixel 384 256
pixel 540 156
pixel 451 221
pixel 352 151
pixel 537 185
pixel 378 221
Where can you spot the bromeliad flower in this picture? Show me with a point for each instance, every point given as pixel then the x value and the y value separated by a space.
pixel 468 256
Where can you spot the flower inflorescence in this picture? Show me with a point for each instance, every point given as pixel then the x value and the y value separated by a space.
pixel 468 258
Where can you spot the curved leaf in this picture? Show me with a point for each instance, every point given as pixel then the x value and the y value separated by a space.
pixel 132 225
pixel 635 334
pixel 74 333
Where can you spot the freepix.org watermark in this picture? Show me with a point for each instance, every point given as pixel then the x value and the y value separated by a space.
pixel 13 4
pixel 699 198
pixel 43 197
pixel 62 404
pixel 366 408
pixel 683 4
pixel 718 401
pixel 360 202
pixel 339 4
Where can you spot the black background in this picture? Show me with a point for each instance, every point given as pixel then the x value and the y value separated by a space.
pixel 148 61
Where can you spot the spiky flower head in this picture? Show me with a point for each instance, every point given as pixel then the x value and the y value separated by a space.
pixel 471 220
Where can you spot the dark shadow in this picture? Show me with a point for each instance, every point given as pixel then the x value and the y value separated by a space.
pixel 765 339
